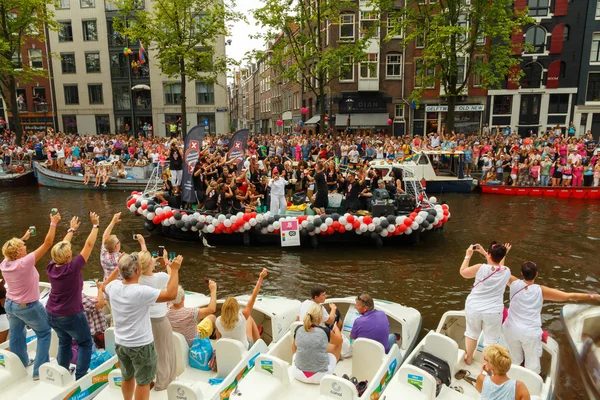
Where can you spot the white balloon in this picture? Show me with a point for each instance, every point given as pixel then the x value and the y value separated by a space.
pixel 164 222
pixel 202 218
pixel 358 232
pixel 132 208
pixel 342 220
pixel 323 227
pixel 329 221
pixel 240 215
pixel 194 229
pixel 310 218
pixel 221 218
pixel 433 200
pixel 270 228
pixel 348 226
pixel 184 229
pixel 144 202
pixel 233 219
pixel 384 233
pixel 276 225
pixel 185 218
pixel 312 233
pixel 260 218
pixel 215 222
pixel 371 227
pixel 363 227
pixel 317 230
pixel 304 223
pixel 400 220
pixel 227 223
pixel 430 227
pixel 210 228
pixel 209 219
pixel 391 228
pixel 264 230
pixel 158 211
pixel 376 221
pixel 408 231
pixel 419 219
pixel 414 226
pixel 166 208
pixel 247 226
pixel 150 216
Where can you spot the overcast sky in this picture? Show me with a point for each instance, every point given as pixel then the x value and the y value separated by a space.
pixel 240 39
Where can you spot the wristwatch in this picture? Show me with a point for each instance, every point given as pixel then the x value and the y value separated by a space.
pixel 95 226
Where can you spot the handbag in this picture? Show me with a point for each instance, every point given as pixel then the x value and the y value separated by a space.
pixel 201 353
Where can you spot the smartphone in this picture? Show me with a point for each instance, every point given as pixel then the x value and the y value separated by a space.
pixel 32 230
pixel 474 247
pixel 54 211
pixel 172 255
pixel 161 251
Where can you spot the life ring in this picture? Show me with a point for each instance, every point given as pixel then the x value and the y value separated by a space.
pixel 20 169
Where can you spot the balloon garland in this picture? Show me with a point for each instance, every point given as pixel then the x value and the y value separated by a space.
pixel 422 219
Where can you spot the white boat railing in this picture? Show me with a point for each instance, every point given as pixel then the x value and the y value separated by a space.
pixel 155 182
pixel 413 186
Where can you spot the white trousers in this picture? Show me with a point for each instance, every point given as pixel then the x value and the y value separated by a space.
pixel 524 346
pixel 278 204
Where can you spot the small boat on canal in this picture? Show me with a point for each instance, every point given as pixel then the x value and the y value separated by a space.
pixel 579 192
pixel 17 176
pixel 442 351
pixel 582 324
pixel 137 179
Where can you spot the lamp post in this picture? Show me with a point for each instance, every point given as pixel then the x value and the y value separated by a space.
pixel 349 105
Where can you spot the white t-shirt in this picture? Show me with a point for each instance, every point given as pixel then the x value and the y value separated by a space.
pixel 157 281
pixel 353 156
pixel 237 333
pixel 130 306
pixel 525 312
pixel 304 307
pixel 487 295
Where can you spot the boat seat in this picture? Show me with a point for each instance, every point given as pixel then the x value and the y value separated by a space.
pixel 367 356
pixel 182 353
pixel 229 354
pixel 334 387
pixel 532 380
pixel 186 390
pixel 109 341
pixel 349 319
pixel 414 384
pixel 13 368
pixel 56 375
pixel 442 347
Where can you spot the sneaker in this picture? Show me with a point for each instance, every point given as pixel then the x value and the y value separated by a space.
pixel 30 362
pixel 346 377
pixel 36 378
pixel 361 387
pixel 71 370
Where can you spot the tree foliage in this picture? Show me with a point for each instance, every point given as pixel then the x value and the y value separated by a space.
pixel 183 35
pixel 20 20
pixel 300 50
pixel 461 39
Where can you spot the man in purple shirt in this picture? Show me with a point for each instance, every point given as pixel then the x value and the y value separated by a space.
pixel 372 324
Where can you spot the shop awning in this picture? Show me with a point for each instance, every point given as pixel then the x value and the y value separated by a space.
pixel 362 121
pixel 313 121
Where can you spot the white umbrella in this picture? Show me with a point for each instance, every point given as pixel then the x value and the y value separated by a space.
pixel 141 87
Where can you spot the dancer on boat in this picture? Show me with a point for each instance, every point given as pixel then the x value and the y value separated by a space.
pixel 523 327
pixel 484 305
pixel 493 383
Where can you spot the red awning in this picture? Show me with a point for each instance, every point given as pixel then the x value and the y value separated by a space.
pixel 560 8
pixel 556 41
pixel 517 40
pixel 513 80
pixel 553 75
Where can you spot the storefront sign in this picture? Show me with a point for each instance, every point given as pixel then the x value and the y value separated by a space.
pixel 458 107
pixel 221 109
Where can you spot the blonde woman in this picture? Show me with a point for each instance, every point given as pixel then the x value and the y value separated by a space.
pixel 65 308
pixel 239 325
pixel 161 328
pixel 310 360
pixel 494 384
pixel 23 294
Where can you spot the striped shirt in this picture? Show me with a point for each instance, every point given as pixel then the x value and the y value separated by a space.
pixel 183 320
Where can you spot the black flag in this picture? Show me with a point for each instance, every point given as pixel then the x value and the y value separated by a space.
pixel 237 148
pixel 191 154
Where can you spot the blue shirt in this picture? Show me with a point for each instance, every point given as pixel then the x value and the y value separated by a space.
pixel 372 325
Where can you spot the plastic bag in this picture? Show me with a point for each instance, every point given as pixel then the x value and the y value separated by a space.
pixel 200 354
pixel 99 357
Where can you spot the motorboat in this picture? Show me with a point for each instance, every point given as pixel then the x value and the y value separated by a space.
pixel 17 175
pixel 447 343
pixel 582 324
pixel 272 379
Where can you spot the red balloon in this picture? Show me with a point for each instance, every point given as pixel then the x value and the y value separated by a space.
pixel 228 230
pixel 156 220
pixel 330 230
pixel 402 228
pixel 144 206
pixel 335 225
pixel 350 218
pixel 254 214
pixel 446 212
pixel 413 215
pixel 342 229
pixel 367 220
pixel 408 222
pixel 445 206
pixel 445 219
pixel 356 224
pixel 276 231
pixel 324 232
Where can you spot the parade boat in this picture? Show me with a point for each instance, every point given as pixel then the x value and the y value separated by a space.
pixel 447 345
pixel 582 324
pixel 17 176
pixel 424 167
pixel 578 192
pixel 137 179
pixel 368 361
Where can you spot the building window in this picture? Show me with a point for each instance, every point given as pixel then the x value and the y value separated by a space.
pixel 102 124
pixel 566 32
pixel 205 93
pixel 559 104
pixel 92 62
pixel 65 31
pixel 208 121
pixel 502 105
pixel 70 123
pixel 90 30
pixel 536 37
pixel 88 3
pixel 533 75
pixel 35 58
pixel 420 71
pixel 370 67
pixel 64 4
pixel 598 9
pixel 347 27
pixel 121 97
pixel 67 63
pixel 393 66
pixel 398 111
pixel 118 65
pixel 17 60
pixel 71 94
pixel 593 87
pixel 393 20
pixel 368 20
pixel 477 78
pixel 420 41
pixel 460 70
pixel 114 37
pixel 172 93
pixel 537 8
pixel 95 94
pixel 347 70
pixel 595 55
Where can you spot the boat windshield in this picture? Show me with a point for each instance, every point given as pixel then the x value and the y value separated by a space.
pixel 444 163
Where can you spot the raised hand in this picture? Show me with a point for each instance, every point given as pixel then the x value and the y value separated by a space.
pixel 55 219
pixel 74 224
pixel 116 218
pixel 176 264
pixel 94 218
pixel 263 274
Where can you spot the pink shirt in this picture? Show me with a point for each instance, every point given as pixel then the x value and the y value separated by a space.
pixel 22 279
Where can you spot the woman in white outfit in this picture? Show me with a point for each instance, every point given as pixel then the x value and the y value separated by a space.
pixel 277 185
pixel 485 303
pixel 523 327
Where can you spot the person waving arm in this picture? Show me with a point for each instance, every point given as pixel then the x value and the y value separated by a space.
pixel 40 251
pixel 91 240
pixel 250 305
pixel 467 271
pixel 107 232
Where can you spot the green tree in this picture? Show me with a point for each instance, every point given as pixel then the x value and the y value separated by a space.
pixel 183 35
pixel 461 39
pixel 20 20
pixel 300 47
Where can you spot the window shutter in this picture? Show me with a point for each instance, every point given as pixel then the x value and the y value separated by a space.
pixel 553 75
pixel 517 40
pixel 520 5
pixel 560 8
pixel 556 41
pixel 513 81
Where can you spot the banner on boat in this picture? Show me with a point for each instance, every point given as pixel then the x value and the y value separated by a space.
pixel 290 233
pixel 191 154
pixel 237 148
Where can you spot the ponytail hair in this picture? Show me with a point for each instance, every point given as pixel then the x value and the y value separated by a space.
pixel 314 316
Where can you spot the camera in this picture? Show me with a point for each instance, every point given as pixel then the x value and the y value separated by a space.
pixel 161 251
pixel 474 247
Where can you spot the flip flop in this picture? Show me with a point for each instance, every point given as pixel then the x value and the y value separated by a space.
pixel 466 376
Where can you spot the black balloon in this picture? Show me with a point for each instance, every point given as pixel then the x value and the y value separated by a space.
pixel 270 221
pixel 374 235
pixel 228 216
pixel 391 219
pixel 335 216
pixel 263 224
pixel 179 224
pixel 425 224
pixel 384 224
pixel 430 218
pixel 200 225
pixel 149 226
pixel 177 216
pixel 193 221
pixel 310 227
pixel 138 204
pixel 187 225
pixel 150 208
pixel 128 198
pixel 431 211
pixel 379 228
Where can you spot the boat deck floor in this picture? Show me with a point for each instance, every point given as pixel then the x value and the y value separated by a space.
pixel 27 388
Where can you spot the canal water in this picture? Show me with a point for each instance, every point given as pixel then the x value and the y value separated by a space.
pixel 562 237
